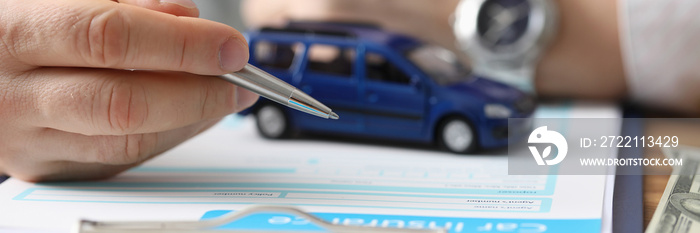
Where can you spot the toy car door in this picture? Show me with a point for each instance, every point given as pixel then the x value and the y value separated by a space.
pixel 329 76
pixel 393 98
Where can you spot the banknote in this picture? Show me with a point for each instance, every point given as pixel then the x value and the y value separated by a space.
pixel 679 207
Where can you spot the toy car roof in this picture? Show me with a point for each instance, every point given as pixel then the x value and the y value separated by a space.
pixel 347 31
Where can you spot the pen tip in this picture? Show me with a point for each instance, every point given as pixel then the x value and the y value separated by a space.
pixel 333 116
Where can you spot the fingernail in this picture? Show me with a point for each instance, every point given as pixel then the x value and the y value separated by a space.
pixel 184 3
pixel 233 55
pixel 245 99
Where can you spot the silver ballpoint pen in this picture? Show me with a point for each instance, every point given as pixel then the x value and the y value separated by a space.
pixel 272 88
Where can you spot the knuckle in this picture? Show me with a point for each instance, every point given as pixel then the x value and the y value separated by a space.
pixel 8 52
pixel 229 99
pixel 125 107
pixel 218 100
pixel 107 39
pixel 20 33
pixel 128 149
pixel 12 33
pixel 184 62
pixel 12 99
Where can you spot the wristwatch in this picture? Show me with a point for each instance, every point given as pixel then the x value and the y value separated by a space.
pixel 505 38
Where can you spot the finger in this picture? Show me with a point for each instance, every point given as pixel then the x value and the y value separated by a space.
pixel 106 34
pixel 173 7
pixel 94 157
pixel 119 102
pixel 112 150
pixel 67 170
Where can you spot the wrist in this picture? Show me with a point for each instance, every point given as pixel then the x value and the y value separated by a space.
pixel 585 59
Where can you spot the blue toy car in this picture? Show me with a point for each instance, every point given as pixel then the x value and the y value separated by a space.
pixel 383 85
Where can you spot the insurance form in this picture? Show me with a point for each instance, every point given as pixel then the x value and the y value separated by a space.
pixel 230 167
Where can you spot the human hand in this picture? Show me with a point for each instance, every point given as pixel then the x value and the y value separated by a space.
pixel 584 60
pixel 70 110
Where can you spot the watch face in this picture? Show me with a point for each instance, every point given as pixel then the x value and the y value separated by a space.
pixel 503 22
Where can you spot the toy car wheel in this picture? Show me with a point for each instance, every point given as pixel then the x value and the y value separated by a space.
pixel 272 122
pixel 457 135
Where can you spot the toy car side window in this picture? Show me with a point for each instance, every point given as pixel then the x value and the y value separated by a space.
pixel 331 59
pixel 378 68
pixel 276 55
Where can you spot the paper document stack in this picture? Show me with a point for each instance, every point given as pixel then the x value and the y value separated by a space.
pixel 229 168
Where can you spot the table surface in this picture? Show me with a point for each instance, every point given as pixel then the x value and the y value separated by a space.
pixel 654 185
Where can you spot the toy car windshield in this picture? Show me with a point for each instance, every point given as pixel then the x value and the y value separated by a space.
pixel 440 64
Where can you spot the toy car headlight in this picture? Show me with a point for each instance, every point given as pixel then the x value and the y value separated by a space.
pixel 497 111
